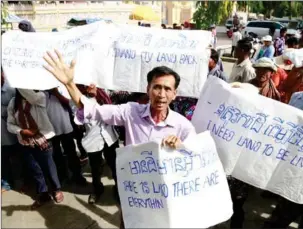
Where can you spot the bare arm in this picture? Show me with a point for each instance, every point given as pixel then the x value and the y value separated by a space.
pixel 65 74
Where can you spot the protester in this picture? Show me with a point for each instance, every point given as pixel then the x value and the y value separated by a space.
pixel 213 67
pixel 99 139
pixel 242 70
pixel 267 50
pixel 279 44
pixel 235 38
pixel 265 68
pixel 8 140
pixel 143 123
pixel 58 113
pixel 26 26
pixel 27 118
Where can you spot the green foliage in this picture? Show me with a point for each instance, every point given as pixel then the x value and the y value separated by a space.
pixel 4 13
pixel 211 12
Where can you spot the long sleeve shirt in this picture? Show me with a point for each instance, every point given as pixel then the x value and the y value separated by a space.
pixel 38 112
pixel 136 118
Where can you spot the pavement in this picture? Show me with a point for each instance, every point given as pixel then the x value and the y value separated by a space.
pixel 75 212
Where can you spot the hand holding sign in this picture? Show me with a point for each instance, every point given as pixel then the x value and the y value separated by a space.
pixel 57 67
pixel 172 142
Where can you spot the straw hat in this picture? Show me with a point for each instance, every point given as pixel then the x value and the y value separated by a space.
pixel 265 62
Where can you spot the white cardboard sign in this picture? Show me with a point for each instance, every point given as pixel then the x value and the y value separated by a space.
pixel 116 57
pixel 162 188
pixel 259 140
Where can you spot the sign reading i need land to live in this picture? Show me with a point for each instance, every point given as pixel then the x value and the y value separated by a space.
pixel 112 56
pixel 162 188
pixel 259 140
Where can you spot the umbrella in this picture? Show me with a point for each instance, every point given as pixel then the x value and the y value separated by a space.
pixel 144 13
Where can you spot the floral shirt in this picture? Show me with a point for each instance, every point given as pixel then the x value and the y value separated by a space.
pixel 279 46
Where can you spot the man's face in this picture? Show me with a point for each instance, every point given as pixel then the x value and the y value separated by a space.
pixel 161 92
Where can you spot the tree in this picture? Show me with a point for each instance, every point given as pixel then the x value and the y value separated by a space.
pixel 211 12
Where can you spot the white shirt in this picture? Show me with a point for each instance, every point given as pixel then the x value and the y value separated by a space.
pixel 236 37
pixel 242 72
pixel 7 93
pixel 96 133
pixel 38 112
pixel 58 115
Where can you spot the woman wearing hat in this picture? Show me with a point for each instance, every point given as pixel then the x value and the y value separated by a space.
pixel 265 68
pixel 267 50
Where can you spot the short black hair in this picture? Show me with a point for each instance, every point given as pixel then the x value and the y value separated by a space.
pixel 292 41
pixel 214 55
pixel 283 30
pixel 163 71
pixel 245 45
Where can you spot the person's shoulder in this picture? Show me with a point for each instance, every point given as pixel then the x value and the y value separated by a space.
pixel 11 102
pixel 297 95
pixel 180 120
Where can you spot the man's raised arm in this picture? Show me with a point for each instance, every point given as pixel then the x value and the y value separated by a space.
pixel 65 74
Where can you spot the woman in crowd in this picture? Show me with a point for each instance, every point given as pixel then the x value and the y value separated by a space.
pixel 293 83
pixel 99 139
pixel 265 68
pixel 28 119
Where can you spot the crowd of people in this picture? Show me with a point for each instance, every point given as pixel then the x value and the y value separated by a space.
pixel 37 125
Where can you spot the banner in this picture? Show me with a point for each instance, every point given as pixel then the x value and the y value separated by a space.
pixel 259 140
pixel 163 188
pixel 116 57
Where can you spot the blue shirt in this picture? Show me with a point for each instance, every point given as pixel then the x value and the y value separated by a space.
pixel 296 100
pixel 218 73
pixel 266 52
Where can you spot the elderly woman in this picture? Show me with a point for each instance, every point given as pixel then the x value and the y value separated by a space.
pixel 265 68
pixel 28 119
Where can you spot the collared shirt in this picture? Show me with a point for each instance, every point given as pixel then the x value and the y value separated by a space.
pixel 38 112
pixel 7 93
pixel 218 73
pixel 137 120
pixel 297 100
pixel 279 46
pixel 58 115
pixel 242 72
pixel 96 133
